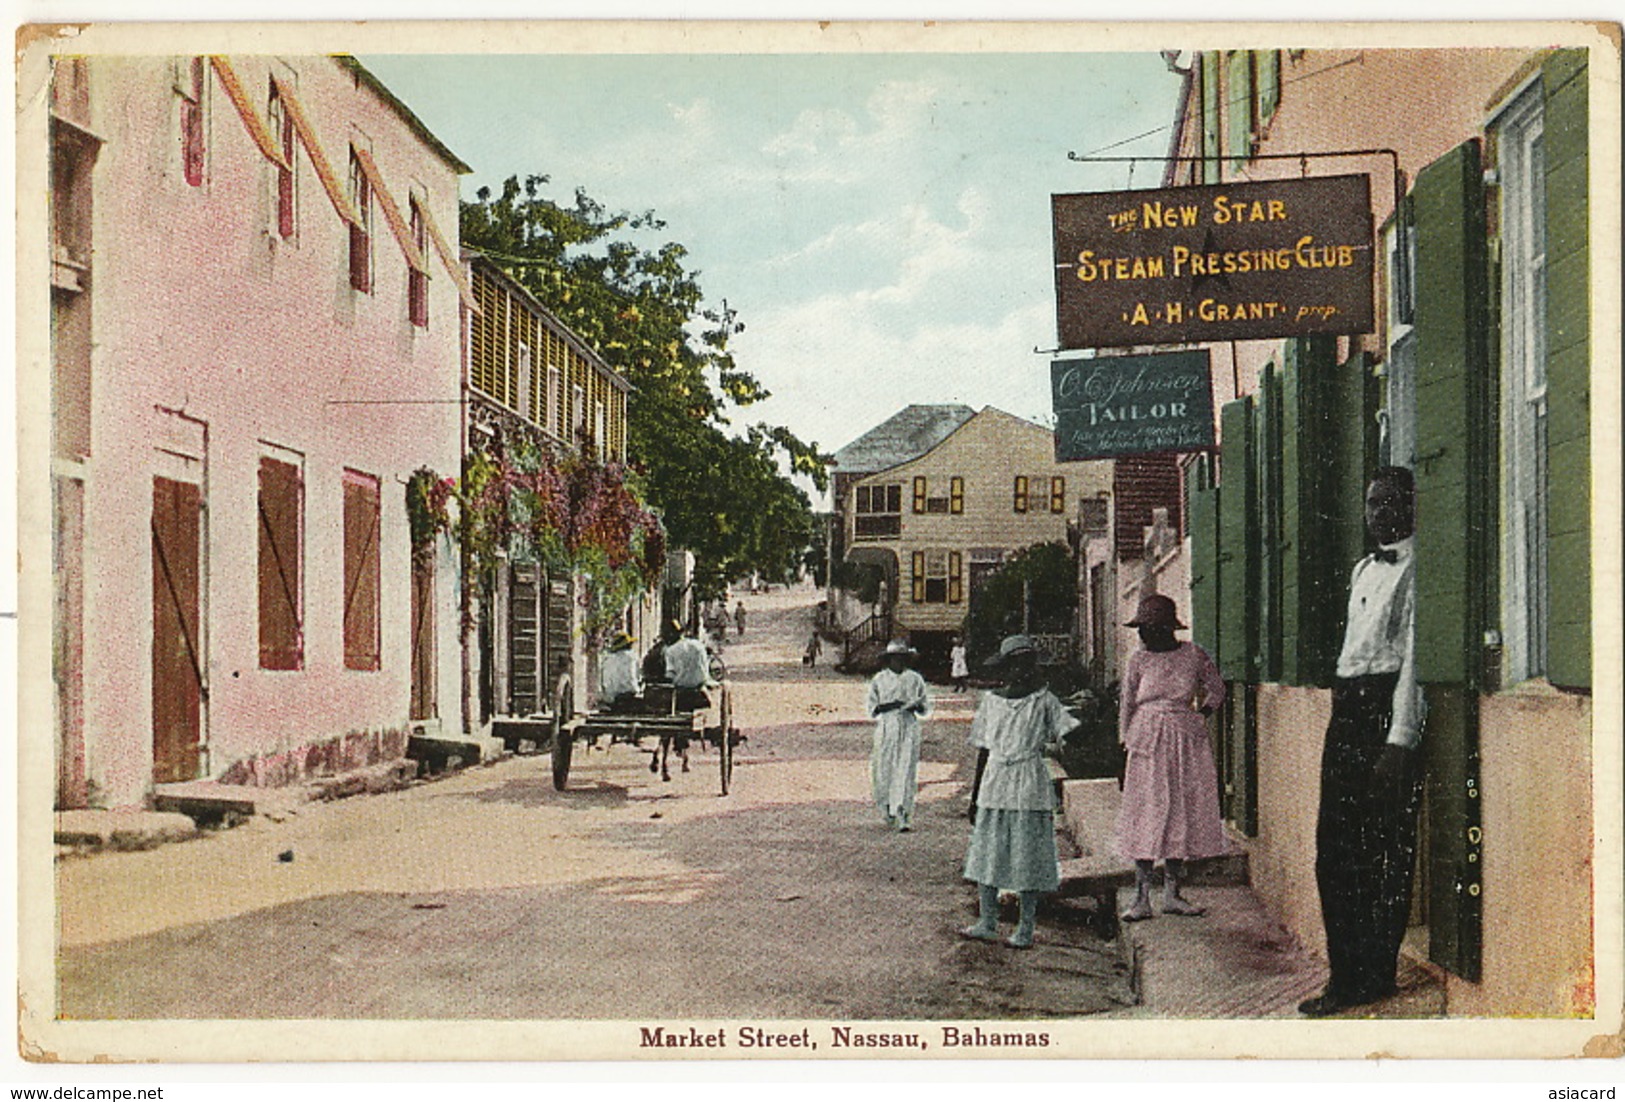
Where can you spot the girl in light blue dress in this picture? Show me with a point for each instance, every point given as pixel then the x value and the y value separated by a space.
pixel 1012 846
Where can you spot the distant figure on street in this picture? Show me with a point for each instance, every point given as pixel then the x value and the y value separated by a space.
pixel 620 683
pixel 897 700
pixel 1370 780
pixel 959 664
pixel 739 618
pixel 1012 845
pixel 814 646
pixel 1170 809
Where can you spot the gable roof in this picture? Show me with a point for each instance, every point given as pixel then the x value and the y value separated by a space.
pixel 907 434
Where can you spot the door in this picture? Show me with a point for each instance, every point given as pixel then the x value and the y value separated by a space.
pixel 424 702
pixel 523 638
pixel 178 686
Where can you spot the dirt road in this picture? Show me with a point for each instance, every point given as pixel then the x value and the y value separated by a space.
pixel 487 894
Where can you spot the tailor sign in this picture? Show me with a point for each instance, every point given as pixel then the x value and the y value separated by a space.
pixel 1277 258
pixel 1132 405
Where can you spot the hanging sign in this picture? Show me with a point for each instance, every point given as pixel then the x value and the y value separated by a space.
pixel 1132 405
pixel 1277 258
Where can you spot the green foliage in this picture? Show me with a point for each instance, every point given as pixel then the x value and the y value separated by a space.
pixel 725 497
pixel 1045 576
pixel 861 579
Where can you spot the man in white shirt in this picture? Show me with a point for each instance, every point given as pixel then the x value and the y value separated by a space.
pixel 688 668
pixel 620 684
pixel 1370 780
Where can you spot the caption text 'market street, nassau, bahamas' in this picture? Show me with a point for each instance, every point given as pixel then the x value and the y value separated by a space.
pixel 835 1037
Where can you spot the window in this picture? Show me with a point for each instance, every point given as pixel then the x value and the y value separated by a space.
pixel 1020 494
pixel 281 505
pixel 417 287
pixel 1057 494
pixel 1524 594
pixel 281 120
pixel 361 229
pixel 956 495
pixel 879 511
pixel 361 571
pixel 578 408
pixel 938 577
pixel 190 85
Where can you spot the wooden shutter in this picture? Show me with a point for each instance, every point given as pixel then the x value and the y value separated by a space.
pixel 361 228
pixel 1057 494
pixel 956 495
pixel 1238 572
pixel 361 572
pixel 417 282
pixel 192 123
pixel 917 577
pixel 1020 493
pixel 1568 370
pixel 1310 590
pixel 1266 478
pixel 1210 117
pixel 280 494
pixel 919 493
pixel 1267 68
pixel 177 660
pixel 1204 583
pixel 1452 417
pixel 1454 530
pixel 1239 107
pixel 956 579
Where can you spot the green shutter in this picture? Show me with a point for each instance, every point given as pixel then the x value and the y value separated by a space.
pixel 1568 369
pixel 1268 66
pixel 1266 477
pixel 1351 441
pixel 1204 514
pixel 1454 532
pixel 1313 575
pixel 1238 107
pixel 1452 417
pixel 1238 575
pixel 1210 117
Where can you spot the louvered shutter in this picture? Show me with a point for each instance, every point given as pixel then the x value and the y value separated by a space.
pixel 956 577
pixel 956 495
pixel 919 493
pixel 917 577
pixel 1266 478
pixel 1210 117
pixel 1237 568
pixel 1568 370
pixel 1021 493
pixel 1309 572
pixel 1204 583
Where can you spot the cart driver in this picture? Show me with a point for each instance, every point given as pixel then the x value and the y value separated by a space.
pixel 688 668
pixel 620 683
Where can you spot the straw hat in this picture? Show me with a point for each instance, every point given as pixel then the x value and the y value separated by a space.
pixel 1014 646
pixel 1156 611
pixel 620 641
pixel 900 646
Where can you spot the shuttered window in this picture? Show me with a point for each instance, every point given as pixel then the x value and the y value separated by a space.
pixel 1454 463
pixel 1267 70
pixel 281 124
pixel 191 85
pixel 919 493
pixel 1238 572
pixel 361 571
pixel 417 283
pixel 917 577
pixel 1057 494
pixel 1239 107
pixel 956 578
pixel 956 495
pixel 1020 493
pixel 361 228
pixel 1568 369
pixel 281 499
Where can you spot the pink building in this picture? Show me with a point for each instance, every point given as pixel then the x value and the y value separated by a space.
pixel 255 303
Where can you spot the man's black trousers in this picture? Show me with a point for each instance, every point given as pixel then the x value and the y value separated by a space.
pixel 1365 842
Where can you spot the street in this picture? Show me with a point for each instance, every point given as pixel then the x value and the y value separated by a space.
pixel 487 894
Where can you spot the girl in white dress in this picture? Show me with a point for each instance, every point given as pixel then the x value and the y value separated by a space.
pixel 1012 846
pixel 898 701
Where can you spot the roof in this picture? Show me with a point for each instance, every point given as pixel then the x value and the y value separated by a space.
pixel 907 434
pixel 415 124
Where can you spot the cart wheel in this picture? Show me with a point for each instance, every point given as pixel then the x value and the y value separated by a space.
pixel 725 716
pixel 563 733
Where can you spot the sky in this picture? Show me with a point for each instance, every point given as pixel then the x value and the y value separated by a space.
pixel 880 222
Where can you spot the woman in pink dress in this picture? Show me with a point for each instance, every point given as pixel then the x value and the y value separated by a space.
pixel 1170 809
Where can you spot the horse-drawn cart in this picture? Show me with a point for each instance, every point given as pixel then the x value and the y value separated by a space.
pixel 668 716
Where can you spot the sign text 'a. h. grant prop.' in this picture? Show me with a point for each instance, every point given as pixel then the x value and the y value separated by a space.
pixel 1277 258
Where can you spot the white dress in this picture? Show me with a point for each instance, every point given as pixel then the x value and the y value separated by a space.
pixel 1012 845
pixel 895 759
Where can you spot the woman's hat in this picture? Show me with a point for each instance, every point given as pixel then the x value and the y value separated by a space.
pixel 620 641
pixel 1013 647
pixel 900 646
pixel 1156 611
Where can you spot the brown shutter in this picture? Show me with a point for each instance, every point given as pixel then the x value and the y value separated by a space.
pixel 281 643
pixel 1057 494
pixel 361 571
pixel 918 579
pixel 956 495
pixel 919 493
pixel 956 570
pixel 177 664
pixel 1021 493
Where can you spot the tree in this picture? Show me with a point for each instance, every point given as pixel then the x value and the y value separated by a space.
pixel 723 496
pixel 1040 581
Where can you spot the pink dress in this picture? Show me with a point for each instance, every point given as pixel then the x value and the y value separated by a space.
pixel 1170 788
